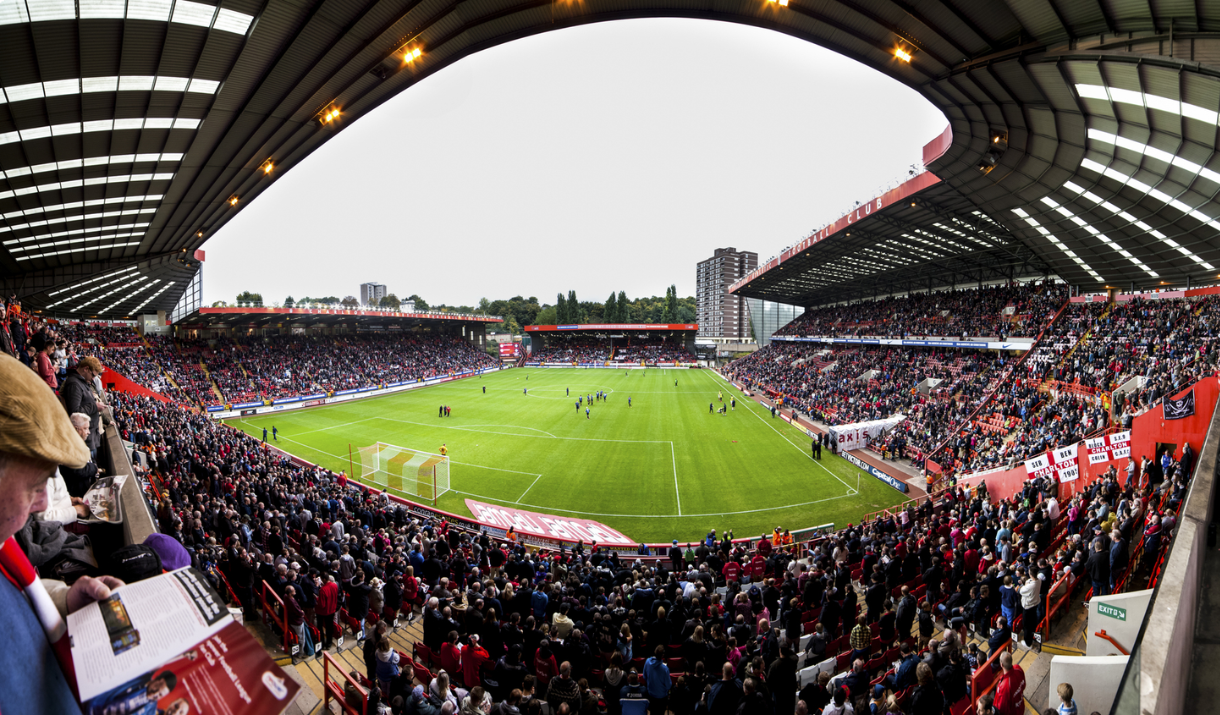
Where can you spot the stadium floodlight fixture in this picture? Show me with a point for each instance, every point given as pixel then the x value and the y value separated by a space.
pixel 410 54
pixel 267 166
pixel 233 200
pixel 328 115
pixel 902 54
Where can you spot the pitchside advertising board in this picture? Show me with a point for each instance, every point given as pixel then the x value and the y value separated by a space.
pixel 546 526
pixel 876 472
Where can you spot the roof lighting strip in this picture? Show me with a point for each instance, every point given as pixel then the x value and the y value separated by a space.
pixel 153 297
pixel 88 85
pixel 90 290
pixel 67 219
pixel 60 234
pixel 1162 197
pixel 69 242
pixel 1058 244
pixel 23 213
pixel 97 181
pixel 1151 101
pixel 78 250
pixel 91 161
pixel 955 232
pixel 86 248
pixel 182 12
pixel 91 280
pixel 131 295
pixel 1098 235
pixel 100 125
pixel 110 293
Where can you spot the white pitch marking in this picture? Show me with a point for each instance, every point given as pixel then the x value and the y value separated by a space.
pixel 677 494
pixel 527 489
pixel 746 402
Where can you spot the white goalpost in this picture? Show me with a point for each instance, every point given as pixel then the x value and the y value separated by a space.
pixel 409 471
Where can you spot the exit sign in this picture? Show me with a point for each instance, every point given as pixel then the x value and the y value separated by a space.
pixel 1105 609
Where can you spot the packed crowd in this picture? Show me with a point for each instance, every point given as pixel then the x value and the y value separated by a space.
pixel 1094 349
pixel 651 352
pixel 573 350
pixel 998 312
pixel 507 626
pixel 829 384
pixel 284 366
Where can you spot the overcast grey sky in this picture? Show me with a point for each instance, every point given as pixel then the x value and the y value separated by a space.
pixel 596 159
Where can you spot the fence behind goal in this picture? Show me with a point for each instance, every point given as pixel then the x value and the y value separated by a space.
pixel 405 470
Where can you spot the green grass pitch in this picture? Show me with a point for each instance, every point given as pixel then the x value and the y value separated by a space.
pixel 661 469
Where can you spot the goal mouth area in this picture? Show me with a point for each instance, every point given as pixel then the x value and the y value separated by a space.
pixel 408 471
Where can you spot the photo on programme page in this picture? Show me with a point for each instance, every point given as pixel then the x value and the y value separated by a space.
pixel 123 636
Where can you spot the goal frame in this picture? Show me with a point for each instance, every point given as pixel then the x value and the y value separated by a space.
pixel 438 468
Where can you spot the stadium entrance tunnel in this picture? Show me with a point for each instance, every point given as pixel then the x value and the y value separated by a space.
pixel 1086 133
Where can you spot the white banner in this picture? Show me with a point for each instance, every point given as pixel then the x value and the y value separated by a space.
pixel 856 435
pixel 1039 466
pixel 1066 467
pixel 1109 447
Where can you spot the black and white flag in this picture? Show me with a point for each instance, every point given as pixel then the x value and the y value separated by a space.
pixel 1180 408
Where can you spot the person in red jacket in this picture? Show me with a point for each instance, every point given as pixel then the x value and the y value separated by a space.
pixel 451 655
pixel 474 656
pixel 325 609
pixel 1010 692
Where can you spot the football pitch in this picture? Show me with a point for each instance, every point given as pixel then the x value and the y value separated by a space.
pixel 664 468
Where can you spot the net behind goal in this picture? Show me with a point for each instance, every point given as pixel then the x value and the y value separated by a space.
pixel 409 471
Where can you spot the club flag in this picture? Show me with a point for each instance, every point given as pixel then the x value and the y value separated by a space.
pixel 1181 408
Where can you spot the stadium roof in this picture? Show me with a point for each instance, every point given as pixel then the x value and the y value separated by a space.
pixel 1083 130
pixel 263 317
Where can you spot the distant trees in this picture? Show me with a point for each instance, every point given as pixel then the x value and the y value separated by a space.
pixel 420 303
pixel 568 310
pixel 247 297
pixel 390 301
pixel 289 302
pixel 350 302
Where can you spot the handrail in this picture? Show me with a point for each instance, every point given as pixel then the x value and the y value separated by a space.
pixel 978 688
pixel 286 636
pixel 228 586
pixel 1102 634
pixel 1051 608
pixel 332 688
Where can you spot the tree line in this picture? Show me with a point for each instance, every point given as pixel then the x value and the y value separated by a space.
pixel 519 311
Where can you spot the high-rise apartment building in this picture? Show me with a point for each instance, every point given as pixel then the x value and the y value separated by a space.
pixel 720 314
pixel 371 293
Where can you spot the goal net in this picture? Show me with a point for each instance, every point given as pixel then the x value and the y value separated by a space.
pixel 405 470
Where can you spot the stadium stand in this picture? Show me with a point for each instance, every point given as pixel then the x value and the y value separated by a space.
pixel 223 370
pixel 941 582
pixel 575 350
pixel 996 312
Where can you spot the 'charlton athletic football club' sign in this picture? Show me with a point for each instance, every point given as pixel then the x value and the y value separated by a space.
pixel 547 526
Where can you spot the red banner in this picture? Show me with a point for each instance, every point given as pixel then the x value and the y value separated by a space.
pixel 510 350
pixel 547 526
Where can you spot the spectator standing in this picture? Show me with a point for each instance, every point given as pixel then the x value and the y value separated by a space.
pixel 77 395
pixel 657 681
pixel 1010 692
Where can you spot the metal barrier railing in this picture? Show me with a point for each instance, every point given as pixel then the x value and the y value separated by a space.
pixel 333 688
